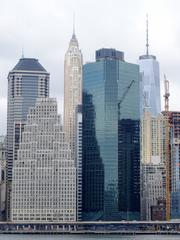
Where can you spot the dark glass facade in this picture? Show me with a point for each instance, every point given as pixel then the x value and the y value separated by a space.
pixel 111 147
pixel 93 171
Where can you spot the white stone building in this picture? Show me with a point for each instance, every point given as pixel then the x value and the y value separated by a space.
pixel 44 176
pixel 72 90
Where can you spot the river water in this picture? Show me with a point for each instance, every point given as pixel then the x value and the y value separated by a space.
pixel 86 237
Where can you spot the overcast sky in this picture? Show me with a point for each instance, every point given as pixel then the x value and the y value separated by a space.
pixel 44 27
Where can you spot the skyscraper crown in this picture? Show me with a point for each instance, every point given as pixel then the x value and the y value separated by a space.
pixel 29 64
pixel 147 55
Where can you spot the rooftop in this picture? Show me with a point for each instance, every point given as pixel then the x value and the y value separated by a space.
pixel 109 54
pixel 29 64
pixel 147 56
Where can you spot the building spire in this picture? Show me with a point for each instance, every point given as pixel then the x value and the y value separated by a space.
pixel 73 23
pixel 22 54
pixel 147 35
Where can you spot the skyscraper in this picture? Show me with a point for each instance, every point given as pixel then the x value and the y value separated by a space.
pixel 27 81
pixel 174 119
pixel 152 162
pixel 150 85
pixel 111 138
pixel 44 176
pixel 72 89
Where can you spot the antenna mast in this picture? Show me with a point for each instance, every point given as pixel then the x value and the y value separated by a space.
pixel 147 35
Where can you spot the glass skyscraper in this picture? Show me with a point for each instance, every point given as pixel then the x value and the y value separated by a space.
pixel 111 146
pixel 150 94
pixel 174 119
pixel 150 84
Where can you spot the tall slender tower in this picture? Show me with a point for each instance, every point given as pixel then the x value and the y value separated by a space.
pixel 72 89
pixel 150 88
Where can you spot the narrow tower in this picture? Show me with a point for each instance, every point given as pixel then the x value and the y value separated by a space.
pixel 72 89
pixel 149 68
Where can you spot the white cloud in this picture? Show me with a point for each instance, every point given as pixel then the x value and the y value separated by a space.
pixel 3 112
pixel 44 29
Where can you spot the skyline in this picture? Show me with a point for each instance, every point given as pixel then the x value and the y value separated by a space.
pixel 55 26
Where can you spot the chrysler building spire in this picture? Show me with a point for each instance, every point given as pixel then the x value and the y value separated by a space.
pixel 74 24
pixel 72 89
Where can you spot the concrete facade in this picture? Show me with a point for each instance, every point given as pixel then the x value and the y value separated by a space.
pixel 152 162
pixel 44 176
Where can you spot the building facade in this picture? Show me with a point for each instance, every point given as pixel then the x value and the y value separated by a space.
pixel 27 81
pixel 2 177
pixel 78 164
pixel 44 176
pixel 111 138
pixel 153 156
pixel 152 138
pixel 153 189
pixel 174 119
pixel 72 90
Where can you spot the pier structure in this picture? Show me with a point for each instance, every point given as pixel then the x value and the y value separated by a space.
pixel 122 227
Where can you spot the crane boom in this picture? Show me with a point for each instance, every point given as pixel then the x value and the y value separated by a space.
pixel 167 139
pixel 167 94
pixel 124 95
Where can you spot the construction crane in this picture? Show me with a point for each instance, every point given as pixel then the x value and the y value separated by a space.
pixel 167 139
pixel 167 94
pixel 122 98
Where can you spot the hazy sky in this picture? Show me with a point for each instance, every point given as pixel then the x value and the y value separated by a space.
pixel 44 27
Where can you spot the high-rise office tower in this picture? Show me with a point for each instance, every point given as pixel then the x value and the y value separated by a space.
pixel 150 84
pixel 111 138
pixel 152 162
pixel 174 119
pixel 72 89
pixel 27 81
pixel 44 176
